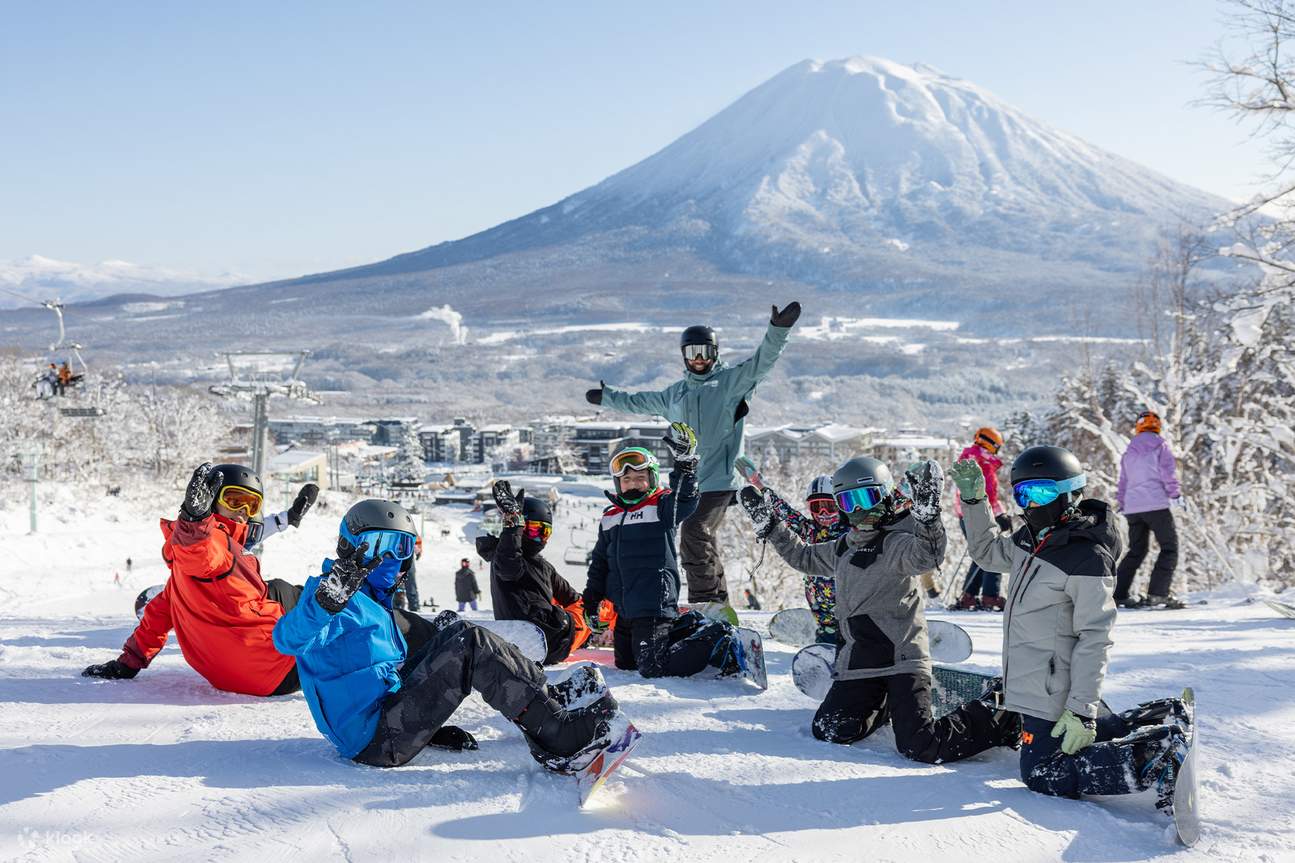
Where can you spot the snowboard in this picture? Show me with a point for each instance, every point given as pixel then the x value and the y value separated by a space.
pixel 811 669
pixel 524 635
pixel 793 626
pixel 1187 815
pixel 592 776
pixel 1282 608
pixel 144 596
pixel 752 656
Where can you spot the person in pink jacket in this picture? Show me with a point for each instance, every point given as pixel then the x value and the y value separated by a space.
pixel 1147 490
pixel 980 589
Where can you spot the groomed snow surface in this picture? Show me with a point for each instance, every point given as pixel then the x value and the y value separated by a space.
pixel 164 767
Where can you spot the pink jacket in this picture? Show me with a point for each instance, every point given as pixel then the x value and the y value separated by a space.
pixel 1148 475
pixel 989 464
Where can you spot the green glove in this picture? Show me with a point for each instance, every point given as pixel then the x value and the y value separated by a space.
pixel 1079 732
pixel 969 479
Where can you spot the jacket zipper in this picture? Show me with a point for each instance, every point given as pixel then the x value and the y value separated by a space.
pixel 1014 597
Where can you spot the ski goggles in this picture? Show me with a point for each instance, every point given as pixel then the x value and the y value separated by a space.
pixel 860 499
pixel 538 530
pixel 235 498
pixel 631 459
pixel 823 506
pixel 700 352
pixel 1045 491
pixel 396 543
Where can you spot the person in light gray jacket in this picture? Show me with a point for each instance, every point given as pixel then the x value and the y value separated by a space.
pixel 1057 634
pixel 883 664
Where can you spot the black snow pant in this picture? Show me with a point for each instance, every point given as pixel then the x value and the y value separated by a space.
pixel 1115 764
pixel 438 676
pixel 415 628
pixel 699 548
pixel 1141 525
pixel 853 709
pixel 662 647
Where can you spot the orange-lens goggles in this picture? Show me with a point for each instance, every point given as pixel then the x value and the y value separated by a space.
pixel 233 497
pixel 539 529
pixel 629 460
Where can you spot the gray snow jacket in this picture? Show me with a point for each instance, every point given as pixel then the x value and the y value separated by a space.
pixel 714 404
pixel 1060 610
pixel 878 601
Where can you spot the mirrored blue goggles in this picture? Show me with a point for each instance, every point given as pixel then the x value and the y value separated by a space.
pixel 1045 491
pixel 396 543
pixel 862 498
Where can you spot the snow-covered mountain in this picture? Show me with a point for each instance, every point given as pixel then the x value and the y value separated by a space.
pixel 44 278
pixel 859 176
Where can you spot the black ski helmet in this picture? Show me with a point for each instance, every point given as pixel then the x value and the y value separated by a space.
pixel 698 335
pixel 239 475
pixel 375 514
pixel 534 509
pixel 1046 462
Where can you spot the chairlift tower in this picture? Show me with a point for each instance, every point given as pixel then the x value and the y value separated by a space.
pixel 259 375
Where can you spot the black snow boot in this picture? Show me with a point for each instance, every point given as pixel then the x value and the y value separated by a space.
pixel 1162 711
pixel 1008 725
pixel 1158 753
pixel 555 734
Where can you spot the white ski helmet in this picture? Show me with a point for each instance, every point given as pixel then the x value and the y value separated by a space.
pixel 820 487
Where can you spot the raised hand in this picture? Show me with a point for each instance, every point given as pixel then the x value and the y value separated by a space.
pixel 787 317
pixel 969 479
pixel 201 493
pixel 925 479
pixel 344 579
pixel 758 508
pixel 305 500
pixel 682 441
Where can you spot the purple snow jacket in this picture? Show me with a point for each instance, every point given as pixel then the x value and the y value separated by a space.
pixel 1148 475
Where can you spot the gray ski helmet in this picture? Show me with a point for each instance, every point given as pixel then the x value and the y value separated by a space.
pixel 820 487
pixel 1046 462
pixel 375 514
pixel 239 475
pixel 862 471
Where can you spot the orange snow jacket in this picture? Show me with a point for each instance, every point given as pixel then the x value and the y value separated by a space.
pixel 216 602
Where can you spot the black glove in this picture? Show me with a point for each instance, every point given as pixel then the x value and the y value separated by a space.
pixel 454 738
pixel 595 397
pixel 682 441
pixel 1004 523
pixel 111 670
pixel 510 505
pixel 924 480
pixel 345 578
pixel 201 493
pixel 758 509
pixel 787 317
pixel 305 500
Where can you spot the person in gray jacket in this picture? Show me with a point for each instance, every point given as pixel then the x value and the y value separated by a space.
pixel 1057 633
pixel 883 664
pixel 714 399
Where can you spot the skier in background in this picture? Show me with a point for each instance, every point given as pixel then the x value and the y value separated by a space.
pixel 1057 633
pixel 713 399
pixel 980 589
pixel 1147 494
pixel 466 590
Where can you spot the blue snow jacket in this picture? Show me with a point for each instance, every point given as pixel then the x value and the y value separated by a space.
pixel 634 563
pixel 348 662
pixel 714 404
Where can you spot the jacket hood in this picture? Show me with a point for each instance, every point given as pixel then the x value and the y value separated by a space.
pixel 1092 523
pixel 486 545
pixel 1145 442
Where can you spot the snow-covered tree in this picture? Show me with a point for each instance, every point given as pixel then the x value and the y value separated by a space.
pixel 408 467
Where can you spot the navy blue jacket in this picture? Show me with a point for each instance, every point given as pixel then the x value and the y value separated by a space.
pixel 635 563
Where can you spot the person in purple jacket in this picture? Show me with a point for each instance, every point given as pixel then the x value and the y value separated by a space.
pixel 1148 489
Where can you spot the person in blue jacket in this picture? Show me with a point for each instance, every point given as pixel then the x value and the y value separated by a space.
pixel 714 399
pixel 634 565
pixel 380 702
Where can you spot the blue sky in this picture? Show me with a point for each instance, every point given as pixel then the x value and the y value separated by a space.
pixel 274 139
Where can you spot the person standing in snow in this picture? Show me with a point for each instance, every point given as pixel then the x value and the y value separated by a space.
pixel 465 586
pixel 381 699
pixel 634 565
pixel 1147 493
pixel 823 524
pixel 714 399
pixel 883 667
pixel 1057 634
pixel 523 585
pixel 980 589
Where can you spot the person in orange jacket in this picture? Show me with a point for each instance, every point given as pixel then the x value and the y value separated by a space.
pixel 222 611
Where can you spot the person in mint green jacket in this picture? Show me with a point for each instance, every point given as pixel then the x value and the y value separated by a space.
pixel 713 398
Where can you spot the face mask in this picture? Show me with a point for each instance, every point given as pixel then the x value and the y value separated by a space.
pixel 383 579
pixel 532 546
pixel 1046 516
